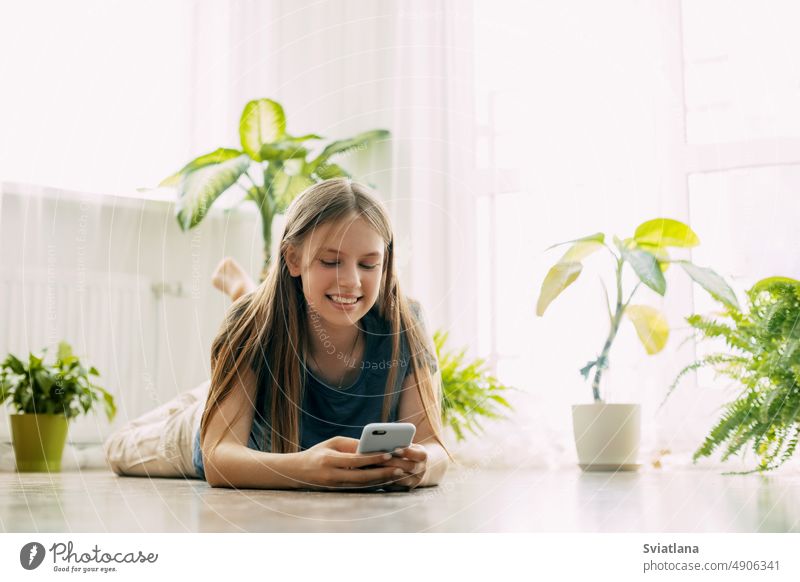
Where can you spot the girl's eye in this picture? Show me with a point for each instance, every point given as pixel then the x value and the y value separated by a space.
pixel 334 263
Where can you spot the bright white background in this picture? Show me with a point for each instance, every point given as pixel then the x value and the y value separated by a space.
pixel 515 125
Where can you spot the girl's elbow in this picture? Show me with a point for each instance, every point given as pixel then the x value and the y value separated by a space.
pixel 215 475
pixel 436 474
pixel 215 480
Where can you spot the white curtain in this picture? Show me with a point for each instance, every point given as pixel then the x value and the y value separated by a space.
pixel 340 68
pixel 434 154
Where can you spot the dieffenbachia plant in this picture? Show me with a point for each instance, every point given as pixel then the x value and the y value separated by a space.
pixel 271 168
pixel 647 253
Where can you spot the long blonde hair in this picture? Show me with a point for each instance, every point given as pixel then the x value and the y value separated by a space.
pixel 265 329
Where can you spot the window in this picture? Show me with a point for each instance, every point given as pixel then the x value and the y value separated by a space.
pixel 595 118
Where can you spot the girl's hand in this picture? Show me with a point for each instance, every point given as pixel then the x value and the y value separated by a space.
pixel 414 462
pixel 334 465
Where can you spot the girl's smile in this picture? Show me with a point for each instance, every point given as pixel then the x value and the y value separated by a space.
pixel 344 302
pixel 339 265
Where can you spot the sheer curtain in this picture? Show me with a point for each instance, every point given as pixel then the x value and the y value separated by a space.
pixel 340 68
pixel 579 117
pixel 434 152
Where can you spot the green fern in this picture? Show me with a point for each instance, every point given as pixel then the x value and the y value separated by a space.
pixel 765 362
pixel 470 392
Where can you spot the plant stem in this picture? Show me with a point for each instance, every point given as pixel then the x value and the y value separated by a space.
pixel 249 177
pixel 615 321
pixel 266 232
pixel 267 208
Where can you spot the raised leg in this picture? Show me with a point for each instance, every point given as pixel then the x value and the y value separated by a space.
pixel 230 278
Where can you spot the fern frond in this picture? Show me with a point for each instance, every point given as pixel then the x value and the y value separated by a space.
pixel 469 390
pixel 766 363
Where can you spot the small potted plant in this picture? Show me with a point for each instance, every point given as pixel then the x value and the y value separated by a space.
pixel 607 435
pixel 764 363
pixel 46 397
pixel 271 168
pixel 470 391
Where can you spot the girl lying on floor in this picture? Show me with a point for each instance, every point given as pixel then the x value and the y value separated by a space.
pixel 325 345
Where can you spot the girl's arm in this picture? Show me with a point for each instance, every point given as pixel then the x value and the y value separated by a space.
pixel 332 464
pixel 412 410
pixel 231 463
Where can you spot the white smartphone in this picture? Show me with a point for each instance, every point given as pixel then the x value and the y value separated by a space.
pixel 380 437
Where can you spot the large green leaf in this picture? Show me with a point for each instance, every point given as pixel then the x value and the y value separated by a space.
pixel 303 137
pixel 558 278
pixel 199 189
pixel 34 362
pixel 14 364
pixel 598 237
pixel 711 282
pixel 348 145
pixel 286 188
pixel 645 265
pixel 216 157
pixel 666 232
pixel 580 250
pixel 564 273
pixel 282 151
pixel 651 327
pixel 263 121
pixel 44 380
pixel 660 253
pixel 64 351
pixel 329 170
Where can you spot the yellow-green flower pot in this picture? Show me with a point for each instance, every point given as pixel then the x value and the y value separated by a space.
pixel 39 441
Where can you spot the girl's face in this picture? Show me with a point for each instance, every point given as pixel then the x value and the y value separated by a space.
pixel 341 260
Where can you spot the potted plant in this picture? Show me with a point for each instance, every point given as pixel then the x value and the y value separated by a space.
pixel 271 168
pixel 46 397
pixel 764 363
pixel 469 390
pixel 607 435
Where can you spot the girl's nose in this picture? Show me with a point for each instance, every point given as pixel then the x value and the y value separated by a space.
pixel 348 276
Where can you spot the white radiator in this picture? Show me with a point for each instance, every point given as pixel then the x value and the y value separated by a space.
pixel 110 319
pixel 116 278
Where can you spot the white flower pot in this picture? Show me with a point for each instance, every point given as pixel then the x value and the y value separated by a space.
pixel 607 436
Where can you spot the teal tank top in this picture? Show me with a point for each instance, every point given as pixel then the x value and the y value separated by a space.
pixel 328 411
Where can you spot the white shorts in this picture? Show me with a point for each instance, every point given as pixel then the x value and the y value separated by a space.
pixel 159 443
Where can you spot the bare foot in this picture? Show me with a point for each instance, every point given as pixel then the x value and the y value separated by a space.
pixel 230 278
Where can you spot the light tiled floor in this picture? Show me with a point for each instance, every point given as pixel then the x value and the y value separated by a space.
pixel 469 500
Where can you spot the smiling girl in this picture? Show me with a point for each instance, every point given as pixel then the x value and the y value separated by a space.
pixel 325 345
